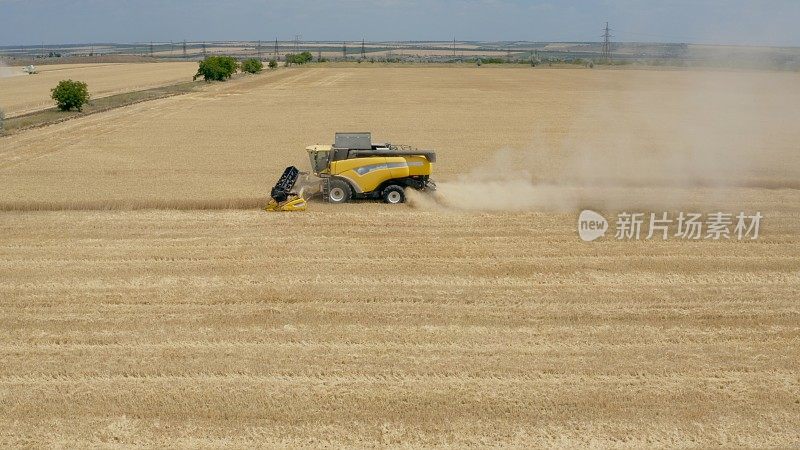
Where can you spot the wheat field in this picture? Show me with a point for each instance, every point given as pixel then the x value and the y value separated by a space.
pixel 22 93
pixel 145 300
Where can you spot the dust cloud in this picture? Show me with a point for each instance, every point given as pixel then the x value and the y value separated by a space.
pixel 6 71
pixel 655 142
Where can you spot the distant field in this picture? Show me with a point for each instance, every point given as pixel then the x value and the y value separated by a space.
pixel 21 93
pixel 145 299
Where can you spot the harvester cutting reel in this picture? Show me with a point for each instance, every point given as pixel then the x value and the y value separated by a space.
pixel 284 197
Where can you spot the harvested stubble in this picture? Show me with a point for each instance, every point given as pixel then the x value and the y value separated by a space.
pixel 436 323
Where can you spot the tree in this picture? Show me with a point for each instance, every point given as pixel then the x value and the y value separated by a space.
pixel 252 65
pixel 70 94
pixel 273 64
pixel 300 58
pixel 216 68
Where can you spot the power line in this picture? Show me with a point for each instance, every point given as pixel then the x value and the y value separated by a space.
pixel 606 53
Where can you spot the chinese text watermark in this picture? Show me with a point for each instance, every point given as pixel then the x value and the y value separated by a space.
pixel 664 225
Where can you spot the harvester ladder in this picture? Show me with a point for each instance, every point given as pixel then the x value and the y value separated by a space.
pixel 326 189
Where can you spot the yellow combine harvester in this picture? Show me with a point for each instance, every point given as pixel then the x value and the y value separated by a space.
pixel 355 168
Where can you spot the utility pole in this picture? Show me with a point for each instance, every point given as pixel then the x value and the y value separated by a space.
pixel 204 49
pixel 184 48
pixel 454 48
pixel 259 50
pixel 151 49
pixel 171 48
pixel 344 50
pixel 606 53
pixel 363 51
pixel 276 49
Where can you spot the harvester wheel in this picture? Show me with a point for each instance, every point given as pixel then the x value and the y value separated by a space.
pixel 340 191
pixel 393 194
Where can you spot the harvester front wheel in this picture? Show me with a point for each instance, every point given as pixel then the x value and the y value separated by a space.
pixel 340 192
pixel 393 194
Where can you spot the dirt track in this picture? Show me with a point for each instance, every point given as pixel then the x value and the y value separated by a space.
pixel 368 324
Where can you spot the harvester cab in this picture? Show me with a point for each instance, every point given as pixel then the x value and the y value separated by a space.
pixel 355 168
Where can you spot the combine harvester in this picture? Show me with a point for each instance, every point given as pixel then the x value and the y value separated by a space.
pixel 355 168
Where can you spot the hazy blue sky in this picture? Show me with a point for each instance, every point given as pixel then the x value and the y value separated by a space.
pixel 771 22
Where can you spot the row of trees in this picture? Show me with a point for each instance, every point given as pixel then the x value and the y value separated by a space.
pixel 220 68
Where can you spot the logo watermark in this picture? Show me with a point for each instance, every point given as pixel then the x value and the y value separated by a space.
pixel 688 226
pixel 591 225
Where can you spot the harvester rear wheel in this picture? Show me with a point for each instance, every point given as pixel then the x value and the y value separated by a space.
pixel 339 192
pixel 393 194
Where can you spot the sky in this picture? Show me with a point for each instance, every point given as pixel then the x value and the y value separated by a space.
pixel 747 22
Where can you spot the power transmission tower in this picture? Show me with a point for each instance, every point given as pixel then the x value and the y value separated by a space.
pixel 606 53
pixel 204 48
pixel 184 48
pixel 319 55
pixel 363 51
pixel 454 48
pixel 151 49
pixel 259 50
pixel 344 50
pixel 276 49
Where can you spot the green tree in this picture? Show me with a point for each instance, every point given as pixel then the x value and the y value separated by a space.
pixel 216 68
pixel 252 65
pixel 70 94
pixel 300 58
pixel 273 64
